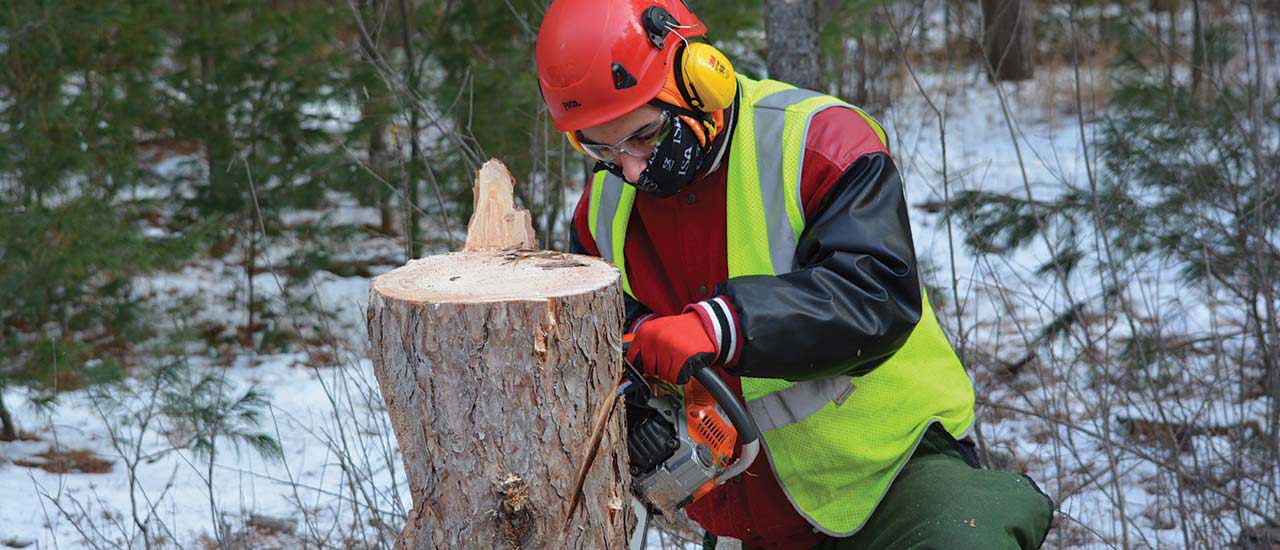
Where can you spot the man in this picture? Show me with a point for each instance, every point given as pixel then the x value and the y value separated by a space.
pixel 762 229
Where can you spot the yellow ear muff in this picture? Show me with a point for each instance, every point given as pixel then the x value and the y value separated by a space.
pixel 573 140
pixel 707 76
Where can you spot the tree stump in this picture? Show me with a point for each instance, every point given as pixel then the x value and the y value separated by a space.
pixel 492 363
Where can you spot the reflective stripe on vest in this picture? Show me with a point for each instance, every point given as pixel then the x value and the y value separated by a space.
pixel 781 206
pixel 609 210
pixel 798 401
pixel 808 427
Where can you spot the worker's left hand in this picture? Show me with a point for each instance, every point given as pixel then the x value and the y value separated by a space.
pixel 669 347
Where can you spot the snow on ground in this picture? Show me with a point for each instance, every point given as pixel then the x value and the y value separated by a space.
pixel 299 416
pixel 304 403
pixel 340 467
pixel 1107 496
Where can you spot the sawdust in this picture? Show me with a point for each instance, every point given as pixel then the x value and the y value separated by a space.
pixel 514 514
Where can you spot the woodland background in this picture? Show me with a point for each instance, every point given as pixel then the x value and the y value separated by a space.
pixel 194 195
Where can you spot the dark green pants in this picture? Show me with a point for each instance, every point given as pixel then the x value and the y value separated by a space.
pixel 941 500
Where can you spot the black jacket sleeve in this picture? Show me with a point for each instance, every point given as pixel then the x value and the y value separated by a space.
pixel 634 309
pixel 855 296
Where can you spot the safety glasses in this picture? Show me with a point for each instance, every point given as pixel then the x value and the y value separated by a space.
pixel 639 144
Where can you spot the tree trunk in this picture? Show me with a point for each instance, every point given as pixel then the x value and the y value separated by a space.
pixel 251 244
pixel 1170 58
pixel 380 164
pixel 1007 38
pixel 8 432
pixel 492 364
pixel 861 92
pixel 377 108
pixel 791 35
pixel 1199 59
pixel 413 229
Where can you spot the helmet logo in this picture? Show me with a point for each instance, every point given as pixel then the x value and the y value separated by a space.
pixel 621 78
pixel 572 103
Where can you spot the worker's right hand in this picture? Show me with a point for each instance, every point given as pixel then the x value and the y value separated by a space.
pixel 668 348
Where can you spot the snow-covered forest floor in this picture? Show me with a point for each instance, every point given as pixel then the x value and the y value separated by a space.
pixel 1104 444
pixel 1048 406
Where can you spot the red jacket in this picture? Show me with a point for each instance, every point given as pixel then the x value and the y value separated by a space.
pixel 676 256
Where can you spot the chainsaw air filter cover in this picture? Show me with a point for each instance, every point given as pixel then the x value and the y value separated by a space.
pixel 651 440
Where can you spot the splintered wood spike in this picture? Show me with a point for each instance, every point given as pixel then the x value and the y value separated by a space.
pixel 496 222
pixel 592 448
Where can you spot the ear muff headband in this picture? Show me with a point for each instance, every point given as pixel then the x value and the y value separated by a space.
pixel 676 83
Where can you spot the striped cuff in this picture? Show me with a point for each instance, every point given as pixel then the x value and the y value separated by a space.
pixel 721 323
pixel 636 323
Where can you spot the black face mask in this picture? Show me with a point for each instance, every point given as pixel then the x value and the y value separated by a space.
pixel 676 162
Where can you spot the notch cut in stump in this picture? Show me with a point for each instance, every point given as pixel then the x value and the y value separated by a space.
pixel 491 363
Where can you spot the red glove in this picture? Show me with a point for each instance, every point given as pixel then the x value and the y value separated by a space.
pixel 669 347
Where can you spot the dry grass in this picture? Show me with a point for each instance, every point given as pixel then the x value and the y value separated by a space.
pixel 64 461
pixel 1055 90
pixel 258 533
pixel 22 435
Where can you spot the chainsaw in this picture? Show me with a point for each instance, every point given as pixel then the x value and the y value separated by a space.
pixel 680 441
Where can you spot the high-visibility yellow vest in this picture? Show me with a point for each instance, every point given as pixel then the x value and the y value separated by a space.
pixel 835 444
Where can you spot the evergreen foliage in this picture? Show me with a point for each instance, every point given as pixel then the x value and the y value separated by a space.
pixel 75 111
pixel 483 52
pixel 89 95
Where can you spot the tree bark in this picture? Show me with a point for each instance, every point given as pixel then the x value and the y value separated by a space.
pixel 791 36
pixel 1008 38
pixel 1199 59
pixel 492 364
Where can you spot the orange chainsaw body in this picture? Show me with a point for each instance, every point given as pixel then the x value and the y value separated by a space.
pixel 707 427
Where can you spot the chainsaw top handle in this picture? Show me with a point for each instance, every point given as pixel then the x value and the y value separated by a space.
pixel 748 432
pixel 743 423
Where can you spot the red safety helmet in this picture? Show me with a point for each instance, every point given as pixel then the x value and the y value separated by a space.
pixel 597 60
